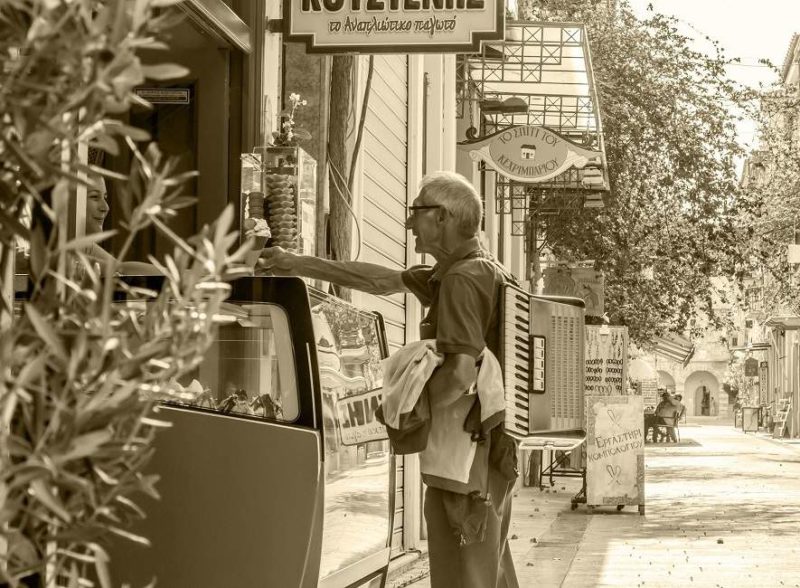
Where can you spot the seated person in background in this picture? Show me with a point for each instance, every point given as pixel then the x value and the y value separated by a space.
pixel 96 212
pixel 680 406
pixel 650 422
pixel 666 414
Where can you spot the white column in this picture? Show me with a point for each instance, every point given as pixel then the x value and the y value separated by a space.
pixel 434 68
pixel 412 486
pixel 448 89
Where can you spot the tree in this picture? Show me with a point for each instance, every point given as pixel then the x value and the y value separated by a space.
pixel 668 224
pixel 79 371
pixel 770 210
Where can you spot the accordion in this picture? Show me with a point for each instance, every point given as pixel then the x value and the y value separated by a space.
pixel 542 358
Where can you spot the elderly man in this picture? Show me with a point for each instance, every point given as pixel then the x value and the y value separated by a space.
pixel 461 294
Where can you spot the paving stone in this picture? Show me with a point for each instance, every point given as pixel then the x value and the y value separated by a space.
pixel 721 512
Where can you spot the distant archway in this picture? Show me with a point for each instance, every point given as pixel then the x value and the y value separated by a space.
pixel 701 394
pixel 665 380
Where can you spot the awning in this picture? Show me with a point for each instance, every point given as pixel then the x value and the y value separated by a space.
pixel 541 75
pixel 218 20
pixel 674 347
pixel 787 322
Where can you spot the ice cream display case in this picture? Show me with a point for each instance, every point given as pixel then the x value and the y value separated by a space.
pixel 278 198
pixel 274 472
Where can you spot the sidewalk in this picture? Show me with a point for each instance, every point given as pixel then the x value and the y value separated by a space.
pixel 722 510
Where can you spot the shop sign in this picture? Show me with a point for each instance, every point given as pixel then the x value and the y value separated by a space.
pixel 751 367
pixel 357 422
pixel 394 26
pixel 530 154
pixel 164 95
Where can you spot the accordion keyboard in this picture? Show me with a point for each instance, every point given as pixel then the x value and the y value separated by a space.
pixel 516 359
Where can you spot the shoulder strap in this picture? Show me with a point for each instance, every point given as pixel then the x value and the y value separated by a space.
pixel 508 277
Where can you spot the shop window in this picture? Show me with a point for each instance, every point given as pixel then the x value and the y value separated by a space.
pixel 356 448
pixel 250 367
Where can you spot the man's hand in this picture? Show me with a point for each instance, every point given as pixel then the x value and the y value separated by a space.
pixel 276 261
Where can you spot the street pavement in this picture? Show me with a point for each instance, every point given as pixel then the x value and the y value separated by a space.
pixel 722 510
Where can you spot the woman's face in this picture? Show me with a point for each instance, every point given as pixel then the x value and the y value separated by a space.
pixel 96 208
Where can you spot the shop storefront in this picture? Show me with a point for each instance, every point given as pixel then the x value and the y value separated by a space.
pixel 375 121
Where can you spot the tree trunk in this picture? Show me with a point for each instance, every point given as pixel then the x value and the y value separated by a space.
pixel 340 225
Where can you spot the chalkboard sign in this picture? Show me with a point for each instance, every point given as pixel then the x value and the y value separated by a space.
pixel 606 360
pixel 615 451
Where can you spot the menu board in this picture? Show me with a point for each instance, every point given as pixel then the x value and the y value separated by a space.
pixel 648 389
pixel 614 451
pixel 606 360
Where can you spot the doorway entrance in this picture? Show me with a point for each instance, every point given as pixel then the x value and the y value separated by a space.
pixel 701 394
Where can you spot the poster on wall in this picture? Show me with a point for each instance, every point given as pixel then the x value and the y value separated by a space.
pixel 606 360
pixel 615 451
pixel 585 283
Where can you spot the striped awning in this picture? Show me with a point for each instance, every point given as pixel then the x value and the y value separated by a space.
pixel 674 347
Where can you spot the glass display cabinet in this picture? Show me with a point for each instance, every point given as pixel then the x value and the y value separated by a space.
pixel 274 472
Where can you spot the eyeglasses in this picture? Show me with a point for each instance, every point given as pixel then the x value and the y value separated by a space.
pixel 413 209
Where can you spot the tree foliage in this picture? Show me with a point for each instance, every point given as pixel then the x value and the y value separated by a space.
pixel 770 204
pixel 79 371
pixel 668 224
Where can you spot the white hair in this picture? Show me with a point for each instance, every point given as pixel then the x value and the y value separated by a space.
pixel 456 195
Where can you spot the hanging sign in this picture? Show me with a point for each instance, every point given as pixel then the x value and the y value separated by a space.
pixel 394 26
pixel 763 380
pixel 530 154
pixel 751 367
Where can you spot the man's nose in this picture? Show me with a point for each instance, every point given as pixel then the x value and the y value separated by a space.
pixel 409 222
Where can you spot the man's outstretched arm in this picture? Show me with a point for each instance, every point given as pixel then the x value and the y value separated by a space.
pixel 358 275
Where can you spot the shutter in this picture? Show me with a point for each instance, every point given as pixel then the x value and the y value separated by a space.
pixel 385 162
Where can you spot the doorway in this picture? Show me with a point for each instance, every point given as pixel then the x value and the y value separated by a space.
pixel 702 401
pixel 194 120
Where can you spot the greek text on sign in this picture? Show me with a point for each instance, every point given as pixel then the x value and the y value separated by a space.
pixel 614 450
pixel 356 416
pixel 530 154
pixel 394 26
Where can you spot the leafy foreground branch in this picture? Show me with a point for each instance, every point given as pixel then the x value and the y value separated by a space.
pixel 89 353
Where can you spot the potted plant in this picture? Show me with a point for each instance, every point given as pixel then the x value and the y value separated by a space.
pixel 80 372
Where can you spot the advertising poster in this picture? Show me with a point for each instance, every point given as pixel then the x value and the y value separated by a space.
pixel 606 360
pixel 615 451
pixel 585 283
pixel 357 422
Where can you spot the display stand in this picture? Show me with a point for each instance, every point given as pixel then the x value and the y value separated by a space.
pixel 556 442
pixel 750 418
